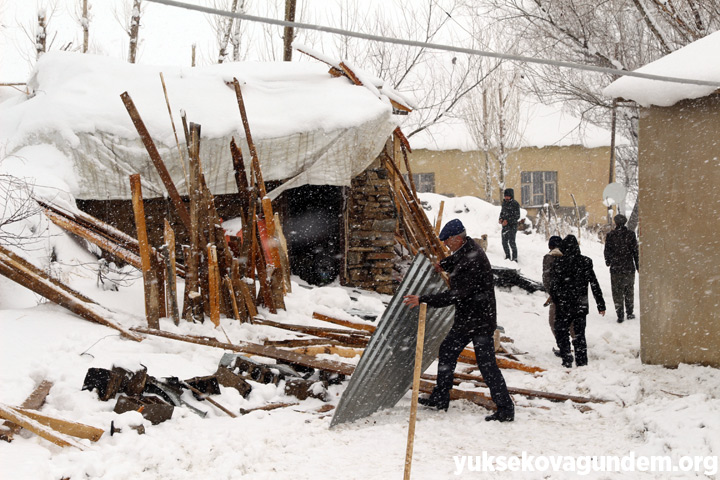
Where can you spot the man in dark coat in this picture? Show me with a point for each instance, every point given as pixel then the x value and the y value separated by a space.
pixel 509 216
pixel 473 295
pixel 622 256
pixel 570 276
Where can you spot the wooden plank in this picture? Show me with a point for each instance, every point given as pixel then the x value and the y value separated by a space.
pixel 344 323
pixel 438 220
pixel 248 137
pixel 34 401
pixel 329 350
pixel 283 250
pixel 348 337
pixel 228 284
pixel 214 282
pixel 8 413
pixel 152 308
pixel 240 178
pixel 244 298
pixel 171 277
pixel 156 159
pixel 74 429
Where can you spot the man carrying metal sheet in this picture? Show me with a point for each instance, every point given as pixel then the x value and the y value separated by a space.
pixel 473 295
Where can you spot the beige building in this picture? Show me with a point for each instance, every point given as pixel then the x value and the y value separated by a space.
pixel 540 172
pixel 679 175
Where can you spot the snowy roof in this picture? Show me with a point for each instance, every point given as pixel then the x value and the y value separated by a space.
pixel 697 61
pixel 307 125
pixel 540 125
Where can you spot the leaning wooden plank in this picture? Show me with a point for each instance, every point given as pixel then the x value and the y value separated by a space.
pixel 112 248
pixel 240 179
pixel 344 323
pixel 8 413
pixel 41 284
pixel 156 159
pixel 150 280
pixel 283 250
pixel 468 356
pixel 171 277
pixel 74 429
pixel 34 401
pixel 251 145
pixel 214 282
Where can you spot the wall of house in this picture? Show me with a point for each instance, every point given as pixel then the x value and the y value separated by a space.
pixel 679 174
pixel 581 171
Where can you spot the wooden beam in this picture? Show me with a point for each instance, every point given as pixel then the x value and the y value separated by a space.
pixel 344 323
pixel 214 282
pixel 8 413
pixel 34 401
pixel 150 280
pixel 156 159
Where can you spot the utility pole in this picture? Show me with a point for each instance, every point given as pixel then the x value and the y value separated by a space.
pixel 611 174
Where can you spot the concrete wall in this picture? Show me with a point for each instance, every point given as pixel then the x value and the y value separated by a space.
pixel 679 176
pixel 581 171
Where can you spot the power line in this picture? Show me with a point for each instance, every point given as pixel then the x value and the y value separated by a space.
pixel 436 46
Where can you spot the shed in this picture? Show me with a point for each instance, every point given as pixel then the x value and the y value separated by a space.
pixel 315 134
pixel 679 174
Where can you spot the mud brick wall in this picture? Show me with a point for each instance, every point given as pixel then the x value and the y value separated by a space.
pixel 371 224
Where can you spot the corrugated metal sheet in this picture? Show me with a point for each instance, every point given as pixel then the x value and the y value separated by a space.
pixel 384 373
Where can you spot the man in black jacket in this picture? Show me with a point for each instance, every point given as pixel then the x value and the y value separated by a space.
pixel 622 256
pixel 570 276
pixel 473 294
pixel 509 216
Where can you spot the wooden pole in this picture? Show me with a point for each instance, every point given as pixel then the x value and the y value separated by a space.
pixel 152 308
pixel 214 283
pixel 156 159
pixel 248 137
pixel 171 276
pixel 438 220
pixel 415 389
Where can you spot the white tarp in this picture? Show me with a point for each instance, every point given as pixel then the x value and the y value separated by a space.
pixel 307 126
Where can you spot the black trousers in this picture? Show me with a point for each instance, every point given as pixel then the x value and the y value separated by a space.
pixel 456 340
pixel 563 321
pixel 508 241
pixel 623 291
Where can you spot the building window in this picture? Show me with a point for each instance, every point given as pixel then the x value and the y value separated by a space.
pixel 424 182
pixel 538 188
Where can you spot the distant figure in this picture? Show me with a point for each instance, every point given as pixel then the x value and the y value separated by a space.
pixel 509 216
pixel 622 256
pixel 548 260
pixel 473 295
pixel 570 276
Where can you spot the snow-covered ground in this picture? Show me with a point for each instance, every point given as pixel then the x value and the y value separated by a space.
pixel 649 410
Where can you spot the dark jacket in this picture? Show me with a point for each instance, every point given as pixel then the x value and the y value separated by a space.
pixel 510 210
pixel 621 251
pixel 471 290
pixel 548 261
pixel 571 275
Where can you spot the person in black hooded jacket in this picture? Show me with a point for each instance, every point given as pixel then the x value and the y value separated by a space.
pixel 473 295
pixel 570 276
pixel 509 216
pixel 622 256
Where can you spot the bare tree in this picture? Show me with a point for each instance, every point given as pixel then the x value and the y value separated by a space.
pixel 134 31
pixel 16 208
pixel 620 34
pixel 85 23
pixel 227 29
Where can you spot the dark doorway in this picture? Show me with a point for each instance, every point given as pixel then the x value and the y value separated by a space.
pixel 313 228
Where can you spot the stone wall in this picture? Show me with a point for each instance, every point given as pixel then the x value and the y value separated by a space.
pixel 371 224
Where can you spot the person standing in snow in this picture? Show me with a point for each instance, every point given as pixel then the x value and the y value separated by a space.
pixel 622 256
pixel 570 276
pixel 509 216
pixel 473 295
pixel 548 260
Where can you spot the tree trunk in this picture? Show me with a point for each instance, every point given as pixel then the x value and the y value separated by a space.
pixel 288 32
pixel 134 30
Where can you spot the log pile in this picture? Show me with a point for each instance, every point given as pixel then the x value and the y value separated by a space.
pixel 222 272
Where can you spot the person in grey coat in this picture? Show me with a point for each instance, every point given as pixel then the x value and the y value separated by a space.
pixel 622 256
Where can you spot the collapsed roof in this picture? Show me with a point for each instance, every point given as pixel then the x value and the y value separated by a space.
pixel 308 126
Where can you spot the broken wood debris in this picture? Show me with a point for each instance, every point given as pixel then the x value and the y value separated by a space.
pixel 29 276
pixel 33 402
